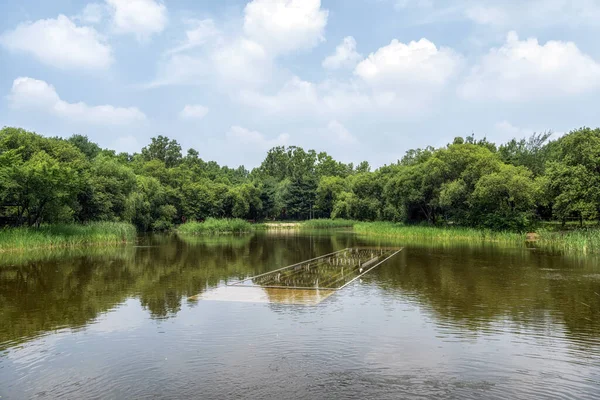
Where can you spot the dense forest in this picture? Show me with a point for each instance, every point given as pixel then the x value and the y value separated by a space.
pixel 469 182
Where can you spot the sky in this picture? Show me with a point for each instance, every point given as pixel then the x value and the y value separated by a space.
pixel 359 79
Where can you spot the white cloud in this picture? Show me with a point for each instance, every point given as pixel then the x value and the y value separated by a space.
pixel 523 70
pixel 285 25
pixel 247 58
pixel 345 55
pixel 295 96
pixel 414 64
pixel 202 32
pixel 139 17
pixel 241 62
pixel 92 13
pixel 403 79
pixel 193 112
pixel 246 137
pixel 60 43
pixel 29 93
pixel 331 99
pixel 238 64
pixel 340 134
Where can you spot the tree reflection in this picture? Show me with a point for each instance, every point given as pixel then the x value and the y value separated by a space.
pixel 467 287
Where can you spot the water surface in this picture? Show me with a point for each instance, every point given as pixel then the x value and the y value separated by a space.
pixel 435 321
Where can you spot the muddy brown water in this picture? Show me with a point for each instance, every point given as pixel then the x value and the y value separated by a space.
pixel 437 321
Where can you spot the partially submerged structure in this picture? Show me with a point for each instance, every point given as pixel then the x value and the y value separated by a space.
pixel 308 282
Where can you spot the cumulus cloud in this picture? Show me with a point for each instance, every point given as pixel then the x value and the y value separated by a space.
pixel 242 136
pixel 193 112
pixel 38 95
pixel 233 59
pixel 142 18
pixel 415 63
pixel 285 25
pixel 345 55
pixel 399 78
pixel 60 43
pixel 525 69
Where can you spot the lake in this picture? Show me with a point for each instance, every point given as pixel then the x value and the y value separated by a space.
pixel 437 320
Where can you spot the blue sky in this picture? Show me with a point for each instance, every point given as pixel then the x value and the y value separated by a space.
pixel 360 79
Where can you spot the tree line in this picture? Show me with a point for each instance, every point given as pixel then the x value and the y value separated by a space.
pixel 469 182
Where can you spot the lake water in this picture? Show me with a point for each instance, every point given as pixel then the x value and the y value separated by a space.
pixel 435 321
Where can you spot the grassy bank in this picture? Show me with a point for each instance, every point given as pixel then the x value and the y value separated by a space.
pixel 390 229
pixel 65 235
pixel 586 240
pixel 327 224
pixel 213 226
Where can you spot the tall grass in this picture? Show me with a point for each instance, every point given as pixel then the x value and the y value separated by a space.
pixel 327 223
pixel 390 229
pixel 585 240
pixel 214 226
pixel 65 235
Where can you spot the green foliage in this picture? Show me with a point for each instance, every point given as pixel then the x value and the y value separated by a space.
pixel 213 226
pixel 327 223
pixel 470 183
pixel 164 150
pixel 65 235
pixel 586 241
pixel 396 230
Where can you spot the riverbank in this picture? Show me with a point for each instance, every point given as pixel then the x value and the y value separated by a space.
pixel 214 226
pixel 65 235
pixel 583 240
pixel 390 229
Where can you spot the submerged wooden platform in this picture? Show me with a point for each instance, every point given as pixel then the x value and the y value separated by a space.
pixel 307 282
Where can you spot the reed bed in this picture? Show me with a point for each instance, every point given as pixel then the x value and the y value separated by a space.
pixel 327 224
pixel 390 229
pixel 65 235
pixel 214 226
pixel 585 240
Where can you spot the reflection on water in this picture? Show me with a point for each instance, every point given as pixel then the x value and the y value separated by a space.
pixel 435 321
pixel 331 271
pixel 257 294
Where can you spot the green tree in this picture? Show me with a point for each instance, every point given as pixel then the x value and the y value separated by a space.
pixel 163 149
pixel 328 191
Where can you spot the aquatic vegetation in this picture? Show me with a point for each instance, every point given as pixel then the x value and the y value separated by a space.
pixel 66 235
pixel 585 240
pixel 214 226
pixel 328 223
pixel 392 229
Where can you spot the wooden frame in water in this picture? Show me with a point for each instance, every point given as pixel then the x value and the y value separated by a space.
pixel 329 272
pixel 308 282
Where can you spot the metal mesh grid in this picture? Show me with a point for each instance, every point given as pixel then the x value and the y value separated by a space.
pixel 329 272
